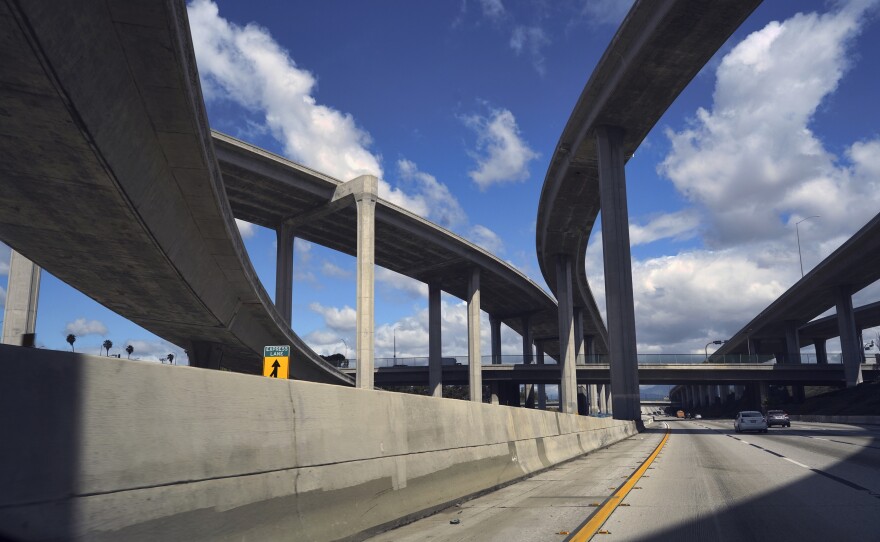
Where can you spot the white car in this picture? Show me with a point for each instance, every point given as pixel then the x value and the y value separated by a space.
pixel 750 420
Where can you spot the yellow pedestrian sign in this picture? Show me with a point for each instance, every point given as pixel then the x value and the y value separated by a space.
pixel 276 361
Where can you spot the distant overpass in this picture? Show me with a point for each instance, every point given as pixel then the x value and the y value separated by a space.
pixel 685 373
pixel 779 328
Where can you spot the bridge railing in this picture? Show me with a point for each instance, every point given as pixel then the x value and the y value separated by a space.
pixel 643 359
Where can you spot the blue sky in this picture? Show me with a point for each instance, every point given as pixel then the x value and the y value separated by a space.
pixel 458 105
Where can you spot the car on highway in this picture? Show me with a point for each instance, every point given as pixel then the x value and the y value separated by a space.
pixel 750 420
pixel 778 417
pixel 698 417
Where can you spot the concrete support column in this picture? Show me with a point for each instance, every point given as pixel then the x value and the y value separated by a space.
pixel 580 352
pixel 527 340
pixel 763 394
pixel 284 272
pixel 792 343
pixel 594 398
pixel 603 405
pixel 22 297
pixel 365 200
pixel 738 392
pixel 850 347
pixel 583 402
pixel 528 358
pixel 618 273
pixel 542 388
pixel 435 359
pixel 568 385
pixel 589 352
pixel 609 401
pixel 496 393
pixel 821 353
pixel 475 369
pixel 495 339
pixel 205 355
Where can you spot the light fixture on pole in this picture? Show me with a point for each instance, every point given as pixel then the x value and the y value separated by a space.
pixel 798 233
pixel 346 347
pixel 707 347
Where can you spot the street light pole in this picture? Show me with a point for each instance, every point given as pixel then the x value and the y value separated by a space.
pixel 798 233
pixel 394 331
pixel 707 347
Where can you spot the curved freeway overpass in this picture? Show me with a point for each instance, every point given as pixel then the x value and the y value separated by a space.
pixel 657 50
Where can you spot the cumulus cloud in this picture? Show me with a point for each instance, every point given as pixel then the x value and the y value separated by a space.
pixel 493 9
pixel 344 319
pixel 530 40
pixel 329 269
pixel 402 283
pixel 82 327
pixel 152 351
pixel 246 229
pixel 611 12
pixel 412 334
pixel 431 198
pixel 752 167
pixel 247 66
pixel 680 225
pixel 486 238
pixel 502 155
pixel 752 159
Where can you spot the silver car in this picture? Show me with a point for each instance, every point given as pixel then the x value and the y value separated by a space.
pixel 750 420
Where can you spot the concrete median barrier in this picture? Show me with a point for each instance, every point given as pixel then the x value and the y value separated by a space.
pixel 104 448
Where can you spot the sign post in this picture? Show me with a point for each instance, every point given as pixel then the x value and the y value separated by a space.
pixel 276 361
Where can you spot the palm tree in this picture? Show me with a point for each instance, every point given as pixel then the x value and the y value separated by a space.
pixel 129 349
pixel 71 338
pixel 108 344
pixel 171 359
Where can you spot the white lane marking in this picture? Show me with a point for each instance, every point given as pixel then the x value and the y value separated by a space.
pixel 744 442
pixel 795 462
pixel 819 438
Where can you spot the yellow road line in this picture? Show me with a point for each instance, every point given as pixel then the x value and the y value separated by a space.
pixel 598 518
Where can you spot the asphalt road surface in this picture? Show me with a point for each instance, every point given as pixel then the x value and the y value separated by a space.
pixel 807 482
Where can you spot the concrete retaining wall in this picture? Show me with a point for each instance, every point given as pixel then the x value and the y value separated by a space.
pixel 113 449
pixel 875 420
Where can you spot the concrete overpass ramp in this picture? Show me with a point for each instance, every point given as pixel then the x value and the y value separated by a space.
pixel 110 183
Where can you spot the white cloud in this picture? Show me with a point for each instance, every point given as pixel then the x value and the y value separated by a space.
pixel 486 238
pixel 329 269
pixel 302 249
pixel 605 11
pixel 752 168
pixel 151 351
pixel 530 40
pixel 344 319
pixel 752 160
pixel 82 327
pixel 503 156
pixel 493 9
pixel 680 225
pixel 396 281
pixel 433 197
pixel 247 66
pixel 246 229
